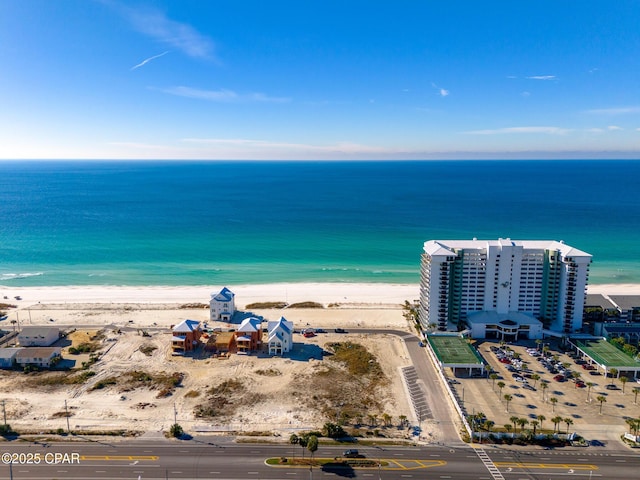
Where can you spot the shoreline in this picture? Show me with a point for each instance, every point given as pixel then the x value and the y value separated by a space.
pixel 325 293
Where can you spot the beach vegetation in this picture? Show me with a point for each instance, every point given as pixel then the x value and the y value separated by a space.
pixel 266 305
pixel 148 349
pixel 49 379
pixel 270 372
pixel 225 399
pixel 164 383
pixel 306 305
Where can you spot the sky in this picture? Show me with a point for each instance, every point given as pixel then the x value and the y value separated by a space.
pixel 326 80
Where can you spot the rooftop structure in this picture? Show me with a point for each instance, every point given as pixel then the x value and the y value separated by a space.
pixel 222 305
pixel 543 279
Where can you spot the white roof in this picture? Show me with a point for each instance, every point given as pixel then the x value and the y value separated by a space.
pixel 186 326
pixel 282 324
pixel 250 324
pixel 224 295
pixel 492 317
pixel 445 247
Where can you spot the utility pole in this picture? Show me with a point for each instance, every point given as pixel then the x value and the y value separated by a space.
pixel 175 414
pixel 66 414
pixel 4 411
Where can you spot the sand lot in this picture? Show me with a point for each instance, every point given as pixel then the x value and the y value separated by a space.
pixel 268 401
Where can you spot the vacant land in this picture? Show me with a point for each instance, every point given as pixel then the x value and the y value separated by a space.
pixel 125 377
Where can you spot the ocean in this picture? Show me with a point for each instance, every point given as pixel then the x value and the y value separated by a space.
pixel 219 223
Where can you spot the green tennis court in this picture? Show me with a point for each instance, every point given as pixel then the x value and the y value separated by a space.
pixel 453 350
pixel 606 354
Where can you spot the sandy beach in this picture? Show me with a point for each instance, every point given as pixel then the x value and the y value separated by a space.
pixel 353 294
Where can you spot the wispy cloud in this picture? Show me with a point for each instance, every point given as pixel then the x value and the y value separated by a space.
pixel 222 95
pixel 147 60
pixel 508 130
pixel 441 91
pixel 615 110
pixel 341 147
pixel 155 24
pixel 614 128
pixel 542 77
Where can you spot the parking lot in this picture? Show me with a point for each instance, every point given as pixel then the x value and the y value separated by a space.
pixel 573 391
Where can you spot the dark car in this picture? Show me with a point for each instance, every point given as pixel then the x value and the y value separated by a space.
pixel 352 453
pixel 340 330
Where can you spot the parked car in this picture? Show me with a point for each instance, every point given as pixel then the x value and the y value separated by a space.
pixel 559 378
pixel 340 330
pixel 611 386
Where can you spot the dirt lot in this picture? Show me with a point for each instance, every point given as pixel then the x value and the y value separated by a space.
pixel 130 386
pixel 580 405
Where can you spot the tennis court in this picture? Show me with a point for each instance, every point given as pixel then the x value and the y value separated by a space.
pixel 453 351
pixel 604 353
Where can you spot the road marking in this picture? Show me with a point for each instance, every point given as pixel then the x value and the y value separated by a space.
pixel 252 473
pixel 127 458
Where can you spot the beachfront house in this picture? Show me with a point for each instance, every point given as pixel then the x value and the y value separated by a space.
pixel 8 357
pixel 38 336
pixel 222 305
pixel 280 336
pixel 249 335
pixel 186 337
pixel 43 357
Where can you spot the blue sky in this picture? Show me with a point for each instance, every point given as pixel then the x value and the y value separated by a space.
pixel 190 79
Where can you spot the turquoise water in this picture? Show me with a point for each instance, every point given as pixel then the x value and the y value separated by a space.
pixel 203 223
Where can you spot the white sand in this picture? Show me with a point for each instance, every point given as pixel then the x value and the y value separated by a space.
pixel 352 293
pixel 378 294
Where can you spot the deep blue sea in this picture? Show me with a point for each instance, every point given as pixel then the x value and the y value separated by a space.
pixel 216 223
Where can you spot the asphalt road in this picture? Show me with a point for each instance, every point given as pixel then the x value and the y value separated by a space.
pixel 220 458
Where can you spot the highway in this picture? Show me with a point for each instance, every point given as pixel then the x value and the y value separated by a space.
pixel 220 458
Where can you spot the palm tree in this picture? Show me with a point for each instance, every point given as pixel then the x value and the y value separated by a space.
pixel 614 373
pixel 489 425
pixel 541 419
pixel 522 422
pixel 403 420
pixel 635 391
pixel 312 446
pixel 508 398
pixel 569 422
pixel 538 343
pixel 493 377
pixel 386 418
pixel 508 427
pixel 589 385
pixel 359 419
pixel 556 421
pixel 293 440
pixel 623 381
pixel 602 399
pixel 553 401
pixel 303 440
pixel 634 425
pixel 373 419
pixel 535 377
pixel 543 386
pixel 534 424
pixel 501 385
pixel 514 420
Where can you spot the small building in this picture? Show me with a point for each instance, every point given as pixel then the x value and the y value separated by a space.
pixel 280 336
pixel 186 336
pixel 8 357
pixel 249 335
pixel 224 342
pixel 38 336
pixel 222 305
pixel 43 357
pixel 509 327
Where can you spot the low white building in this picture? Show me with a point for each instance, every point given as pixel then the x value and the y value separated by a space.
pixel 280 336
pixel 38 356
pixel 38 336
pixel 508 327
pixel 222 305
pixel 8 357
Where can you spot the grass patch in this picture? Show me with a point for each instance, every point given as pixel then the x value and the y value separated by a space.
pixel 225 399
pixel 265 305
pixel 271 372
pixel 306 305
pixel 163 382
pixel 148 349
pixel 192 306
pixel 50 379
pixel 357 359
pixel 85 347
pixel 192 394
